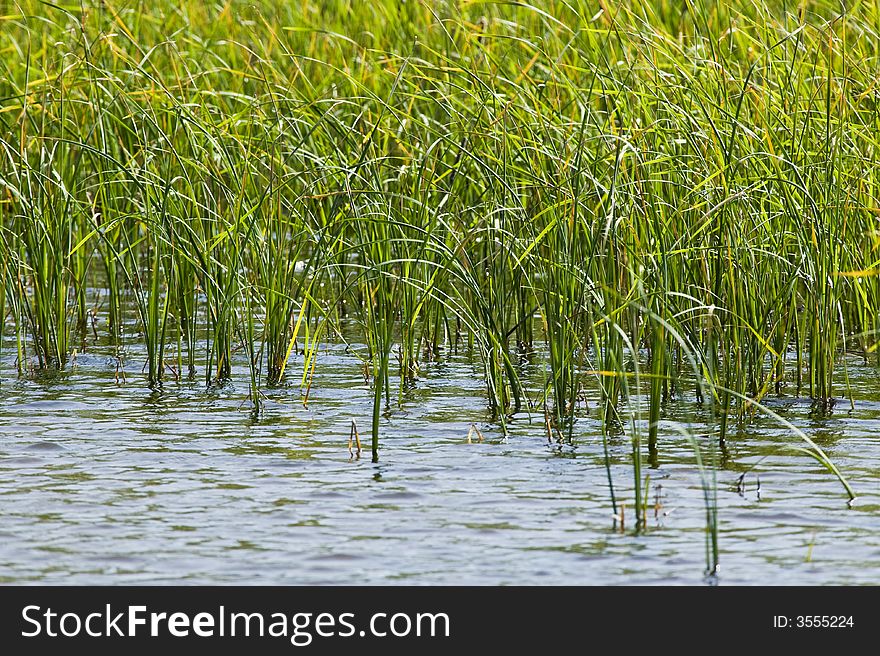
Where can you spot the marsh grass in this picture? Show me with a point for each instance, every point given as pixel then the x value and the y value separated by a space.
pixel 671 199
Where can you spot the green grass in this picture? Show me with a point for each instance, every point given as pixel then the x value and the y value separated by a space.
pixel 668 198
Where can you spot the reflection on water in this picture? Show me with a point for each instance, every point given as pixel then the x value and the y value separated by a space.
pixel 101 483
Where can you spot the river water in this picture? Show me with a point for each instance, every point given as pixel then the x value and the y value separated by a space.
pixel 107 483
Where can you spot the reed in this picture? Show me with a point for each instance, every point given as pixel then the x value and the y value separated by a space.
pixel 656 198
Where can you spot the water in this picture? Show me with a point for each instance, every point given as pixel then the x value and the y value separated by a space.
pixel 104 483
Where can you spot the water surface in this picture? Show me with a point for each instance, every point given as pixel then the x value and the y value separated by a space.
pixel 104 483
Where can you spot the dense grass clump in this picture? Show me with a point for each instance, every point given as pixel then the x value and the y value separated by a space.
pixel 661 198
